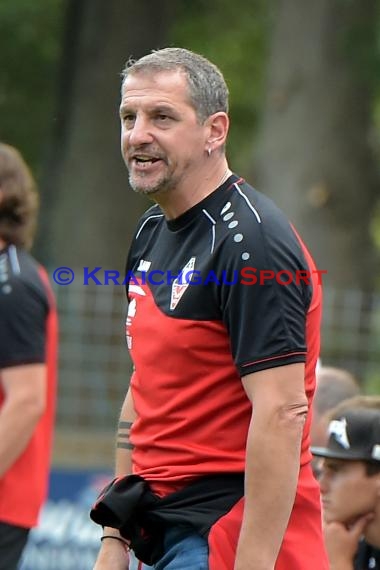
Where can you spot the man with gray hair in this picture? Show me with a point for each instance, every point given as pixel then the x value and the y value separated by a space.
pixel 213 461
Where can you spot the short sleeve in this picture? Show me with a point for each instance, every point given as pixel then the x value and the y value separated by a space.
pixel 23 312
pixel 265 307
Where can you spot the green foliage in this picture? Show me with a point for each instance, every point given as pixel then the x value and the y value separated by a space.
pixel 234 36
pixel 30 33
pixel 362 45
pixel 372 385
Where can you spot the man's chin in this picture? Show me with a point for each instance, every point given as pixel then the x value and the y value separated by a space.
pixel 146 190
pixel 150 189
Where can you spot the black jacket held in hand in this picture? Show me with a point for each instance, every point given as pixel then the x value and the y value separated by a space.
pixel 141 517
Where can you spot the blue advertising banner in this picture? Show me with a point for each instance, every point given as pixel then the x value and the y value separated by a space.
pixel 66 538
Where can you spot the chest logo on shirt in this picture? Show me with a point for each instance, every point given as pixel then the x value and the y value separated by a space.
pixel 128 322
pixel 181 283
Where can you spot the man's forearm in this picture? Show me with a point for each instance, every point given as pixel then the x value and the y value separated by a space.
pixel 24 389
pixel 17 424
pixel 113 553
pixel 123 463
pixel 272 469
pixel 124 447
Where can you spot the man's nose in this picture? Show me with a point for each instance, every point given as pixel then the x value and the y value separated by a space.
pixel 140 133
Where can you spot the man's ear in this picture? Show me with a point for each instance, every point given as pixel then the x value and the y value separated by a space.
pixel 218 125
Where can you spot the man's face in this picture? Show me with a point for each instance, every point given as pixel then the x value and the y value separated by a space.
pixel 347 491
pixel 162 140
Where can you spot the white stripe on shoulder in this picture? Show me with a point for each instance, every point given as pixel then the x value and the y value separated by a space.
pixel 250 206
pixel 146 221
pixel 13 259
pixel 212 228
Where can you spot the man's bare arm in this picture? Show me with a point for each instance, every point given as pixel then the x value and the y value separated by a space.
pixel 124 447
pixel 24 389
pixel 113 554
pixel 272 464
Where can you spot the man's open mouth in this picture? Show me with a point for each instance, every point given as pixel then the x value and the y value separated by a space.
pixel 141 159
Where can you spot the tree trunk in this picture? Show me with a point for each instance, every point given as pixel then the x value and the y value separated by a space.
pixel 92 211
pixel 314 156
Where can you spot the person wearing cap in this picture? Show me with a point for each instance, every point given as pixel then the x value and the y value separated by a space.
pixel 334 385
pixel 350 484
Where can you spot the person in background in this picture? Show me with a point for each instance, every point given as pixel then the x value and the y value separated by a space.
pixel 28 361
pixel 350 484
pixel 213 459
pixel 333 386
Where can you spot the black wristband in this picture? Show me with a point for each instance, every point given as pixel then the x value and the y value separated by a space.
pixel 119 538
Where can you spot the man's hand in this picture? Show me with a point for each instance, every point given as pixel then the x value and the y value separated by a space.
pixel 342 541
pixel 113 555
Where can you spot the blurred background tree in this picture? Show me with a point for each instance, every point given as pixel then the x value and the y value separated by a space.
pixel 317 151
pixel 305 120
pixel 91 210
pixel 304 82
pixel 30 36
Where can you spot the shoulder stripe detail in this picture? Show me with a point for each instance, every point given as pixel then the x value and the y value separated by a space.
pixel 299 353
pixel 250 206
pixel 146 221
pixel 212 228
pixel 13 259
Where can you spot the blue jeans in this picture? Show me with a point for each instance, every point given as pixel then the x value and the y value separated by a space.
pixel 184 550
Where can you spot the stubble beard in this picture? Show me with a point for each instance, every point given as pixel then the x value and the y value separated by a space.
pixel 164 184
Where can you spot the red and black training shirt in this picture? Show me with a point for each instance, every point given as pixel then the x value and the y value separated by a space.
pixel 28 335
pixel 191 341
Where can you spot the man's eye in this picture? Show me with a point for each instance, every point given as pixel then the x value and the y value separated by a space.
pixel 162 117
pixel 128 118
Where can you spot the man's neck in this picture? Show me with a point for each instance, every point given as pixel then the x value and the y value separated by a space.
pixel 176 202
